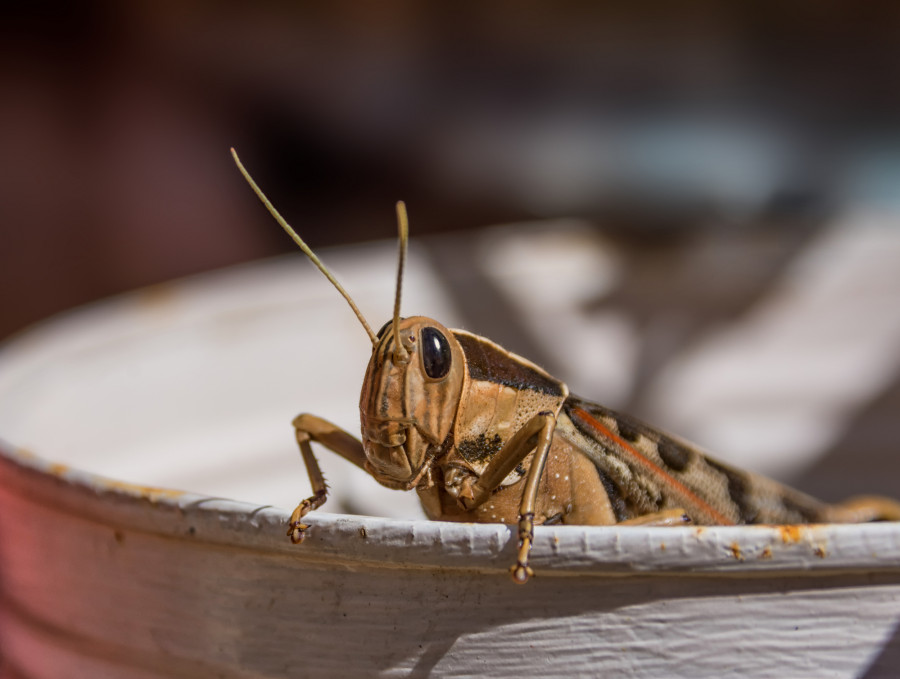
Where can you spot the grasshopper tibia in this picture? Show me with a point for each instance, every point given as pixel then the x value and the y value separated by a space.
pixel 536 435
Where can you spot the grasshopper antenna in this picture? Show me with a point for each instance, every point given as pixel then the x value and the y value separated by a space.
pixel 306 249
pixel 400 351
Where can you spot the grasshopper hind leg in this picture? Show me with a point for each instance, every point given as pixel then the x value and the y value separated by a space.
pixel 864 509
pixel 667 517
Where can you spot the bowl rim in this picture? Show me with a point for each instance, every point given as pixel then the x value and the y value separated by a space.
pixel 370 541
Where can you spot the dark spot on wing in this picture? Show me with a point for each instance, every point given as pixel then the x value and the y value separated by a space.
pixel 798 511
pixel 738 490
pixel 627 429
pixel 673 454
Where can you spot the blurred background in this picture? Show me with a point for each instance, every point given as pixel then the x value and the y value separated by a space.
pixel 718 150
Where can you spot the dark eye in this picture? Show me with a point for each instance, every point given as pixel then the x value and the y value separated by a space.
pixel 435 353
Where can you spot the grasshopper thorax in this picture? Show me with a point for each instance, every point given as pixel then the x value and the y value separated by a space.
pixel 409 399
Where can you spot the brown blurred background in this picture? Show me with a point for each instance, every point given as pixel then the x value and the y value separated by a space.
pixel 116 119
pixel 671 126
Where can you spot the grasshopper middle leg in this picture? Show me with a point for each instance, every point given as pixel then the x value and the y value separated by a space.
pixel 536 435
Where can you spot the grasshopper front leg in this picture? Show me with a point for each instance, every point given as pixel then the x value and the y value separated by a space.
pixel 536 435
pixel 311 428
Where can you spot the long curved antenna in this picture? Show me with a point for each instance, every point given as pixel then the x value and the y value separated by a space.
pixel 303 246
pixel 400 352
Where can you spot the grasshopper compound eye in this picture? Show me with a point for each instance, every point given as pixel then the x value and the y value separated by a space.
pixel 435 353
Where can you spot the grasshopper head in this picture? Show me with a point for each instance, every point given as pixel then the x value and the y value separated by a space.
pixel 409 399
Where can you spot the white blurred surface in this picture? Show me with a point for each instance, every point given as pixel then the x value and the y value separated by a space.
pixel 193 385
pixel 776 388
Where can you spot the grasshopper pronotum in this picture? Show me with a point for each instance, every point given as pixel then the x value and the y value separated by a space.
pixel 484 435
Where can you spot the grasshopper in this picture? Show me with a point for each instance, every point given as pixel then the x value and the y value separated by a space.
pixel 484 435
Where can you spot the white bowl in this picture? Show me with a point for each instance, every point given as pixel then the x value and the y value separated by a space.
pixel 193 386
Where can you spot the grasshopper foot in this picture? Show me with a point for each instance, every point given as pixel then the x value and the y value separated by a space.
pixel 521 572
pixel 297 531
